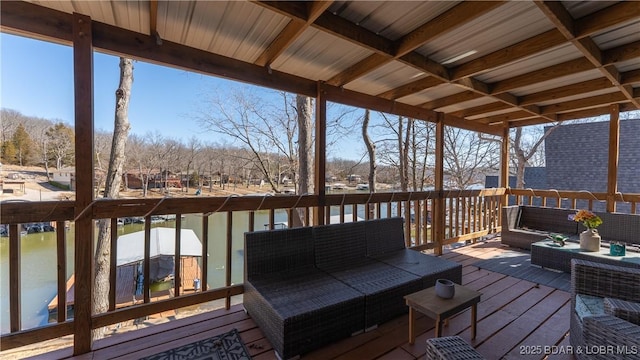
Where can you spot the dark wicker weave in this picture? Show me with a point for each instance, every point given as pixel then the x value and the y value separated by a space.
pixel 547 255
pixel 385 242
pixel 524 225
pixel 451 348
pixel 618 227
pixel 341 251
pixel 605 281
pixel 297 306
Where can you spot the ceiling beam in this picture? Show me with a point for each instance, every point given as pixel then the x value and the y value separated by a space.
pixel 549 73
pixel 447 21
pixel 291 32
pixel 584 103
pixel 630 77
pixel 410 88
pixel 522 49
pixel 566 25
pixel 153 21
pixel 482 109
pixel 460 97
pixel 574 115
pixel 566 91
pixel 385 49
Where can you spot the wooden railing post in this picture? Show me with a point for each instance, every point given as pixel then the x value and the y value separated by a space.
pixel 321 156
pixel 438 202
pixel 83 98
pixel 614 151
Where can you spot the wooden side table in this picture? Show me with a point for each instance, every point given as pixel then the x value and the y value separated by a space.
pixel 427 302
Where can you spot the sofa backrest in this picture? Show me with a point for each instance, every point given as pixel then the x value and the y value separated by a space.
pixel 548 219
pixel 338 246
pixel 384 235
pixel 279 250
pixel 619 227
pixel 510 217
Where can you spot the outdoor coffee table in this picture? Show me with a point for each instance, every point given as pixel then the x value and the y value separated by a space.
pixel 427 302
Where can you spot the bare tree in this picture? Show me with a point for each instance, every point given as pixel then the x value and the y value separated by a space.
pixel 112 190
pixel 371 150
pixel 305 143
pixel 61 144
pixel 525 145
pixel 466 156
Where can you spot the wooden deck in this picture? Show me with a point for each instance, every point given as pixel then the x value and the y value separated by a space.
pixel 513 316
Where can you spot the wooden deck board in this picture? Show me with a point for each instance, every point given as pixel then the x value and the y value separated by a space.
pixel 512 313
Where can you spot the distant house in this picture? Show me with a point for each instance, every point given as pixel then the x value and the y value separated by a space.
pixel 65 176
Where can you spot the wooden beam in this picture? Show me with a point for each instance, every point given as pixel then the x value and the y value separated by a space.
pixel 611 16
pixel 291 32
pixel 583 103
pixel 549 73
pixel 481 109
pixel 410 88
pixel 566 91
pixel 460 97
pixel 561 18
pixel 522 49
pixel 444 22
pixel 321 155
pixel 336 94
pixel 512 116
pixel 574 115
pixel 153 21
pixel 84 234
pixel 630 77
pixel 614 153
pixel 504 163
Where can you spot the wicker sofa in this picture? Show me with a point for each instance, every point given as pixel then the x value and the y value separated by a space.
pixel 308 287
pixel 524 225
pixel 605 315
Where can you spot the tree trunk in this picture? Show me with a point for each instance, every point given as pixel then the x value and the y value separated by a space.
pixel 111 190
pixel 371 150
pixel 305 159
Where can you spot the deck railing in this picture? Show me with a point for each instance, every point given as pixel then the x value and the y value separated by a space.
pixel 627 202
pixel 467 215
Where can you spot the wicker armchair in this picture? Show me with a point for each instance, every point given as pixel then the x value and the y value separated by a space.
pixel 605 334
pixel 451 348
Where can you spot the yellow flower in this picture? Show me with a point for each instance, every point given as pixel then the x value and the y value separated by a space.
pixel 588 219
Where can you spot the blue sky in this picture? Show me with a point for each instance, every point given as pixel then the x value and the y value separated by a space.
pixel 37 80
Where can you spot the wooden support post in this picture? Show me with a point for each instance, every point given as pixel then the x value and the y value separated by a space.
pixel 504 167
pixel 438 202
pixel 84 234
pixel 614 151
pixel 321 156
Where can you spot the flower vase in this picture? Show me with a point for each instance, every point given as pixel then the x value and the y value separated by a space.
pixel 590 240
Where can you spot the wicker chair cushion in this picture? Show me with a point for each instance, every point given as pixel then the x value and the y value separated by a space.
pixel 587 305
pixel 451 348
pixel 626 310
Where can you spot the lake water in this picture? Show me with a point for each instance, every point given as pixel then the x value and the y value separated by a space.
pixel 39 267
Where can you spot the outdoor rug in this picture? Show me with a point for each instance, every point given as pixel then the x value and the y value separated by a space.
pixel 518 265
pixel 228 346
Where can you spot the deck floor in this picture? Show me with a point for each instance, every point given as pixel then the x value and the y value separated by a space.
pixel 515 317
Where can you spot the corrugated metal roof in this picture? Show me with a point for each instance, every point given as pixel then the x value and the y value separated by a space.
pixel 326 47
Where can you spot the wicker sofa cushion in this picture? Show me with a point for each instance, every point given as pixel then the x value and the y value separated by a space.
pixel 340 247
pixel 548 219
pixel 626 310
pixel 587 305
pixel 384 236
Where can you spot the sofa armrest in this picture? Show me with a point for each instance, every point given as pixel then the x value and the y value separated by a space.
pixel 612 333
pixel 604 280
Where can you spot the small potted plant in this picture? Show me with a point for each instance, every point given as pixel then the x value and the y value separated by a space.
pixel 589 239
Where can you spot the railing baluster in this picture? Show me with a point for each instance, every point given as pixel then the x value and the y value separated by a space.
pixel 61 255
pixel 205 251
pixel 14 279
pixel 147 259
pixel 113 263
pixel 177 271
pixel 229 254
